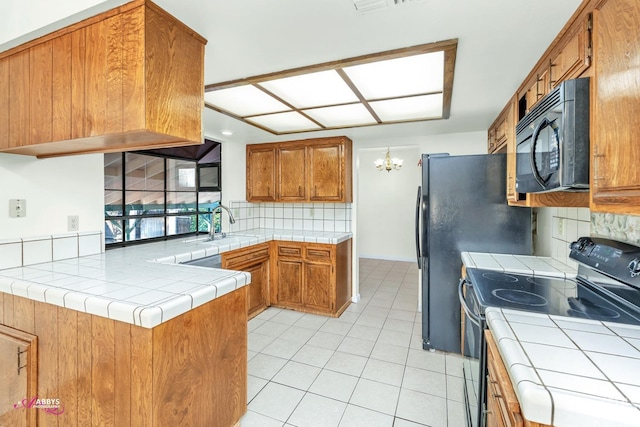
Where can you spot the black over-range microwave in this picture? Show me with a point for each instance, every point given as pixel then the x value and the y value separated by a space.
pixel 552 141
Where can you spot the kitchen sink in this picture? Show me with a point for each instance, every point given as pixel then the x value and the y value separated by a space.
pixel 213 261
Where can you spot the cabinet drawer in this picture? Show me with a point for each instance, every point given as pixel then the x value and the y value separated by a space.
pixel 319 252
pixel 290 251
pixel 243 256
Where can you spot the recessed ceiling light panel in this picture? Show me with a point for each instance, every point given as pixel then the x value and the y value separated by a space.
pixel 318 89
pixel 244 101
pixel 410 108
pixel 342 115
pixel 285 122
pixel 411 75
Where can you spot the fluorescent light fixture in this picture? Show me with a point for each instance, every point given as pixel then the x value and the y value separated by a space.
pixel 285 122
pixel 244 101
pixel 412 75
pixel 227 132
pixel 342 115
pixel 411 108
pixel 312 90
pixel 407 84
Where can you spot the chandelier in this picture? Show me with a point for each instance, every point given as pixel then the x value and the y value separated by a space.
pixel 388 163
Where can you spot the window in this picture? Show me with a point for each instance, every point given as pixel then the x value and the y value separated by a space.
pixel 151 196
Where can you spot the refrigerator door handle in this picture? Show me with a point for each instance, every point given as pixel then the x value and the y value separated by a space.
pixel 419 197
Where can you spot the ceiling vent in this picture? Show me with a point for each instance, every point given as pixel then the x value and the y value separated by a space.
pixel 369 5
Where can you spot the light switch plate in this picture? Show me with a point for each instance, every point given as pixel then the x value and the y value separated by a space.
pixel 17 208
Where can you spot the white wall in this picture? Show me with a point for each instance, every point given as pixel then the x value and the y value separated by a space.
pixel 234 172
pixel 53 188
pixel 384 203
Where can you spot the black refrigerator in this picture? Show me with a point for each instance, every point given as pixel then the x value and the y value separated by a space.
pixel 461 206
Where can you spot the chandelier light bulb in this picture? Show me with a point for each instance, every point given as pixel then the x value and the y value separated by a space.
pixel 388 163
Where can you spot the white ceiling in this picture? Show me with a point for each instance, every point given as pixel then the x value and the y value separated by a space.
pixel 499 41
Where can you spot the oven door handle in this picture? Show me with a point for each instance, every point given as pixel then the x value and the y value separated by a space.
pixel 475 319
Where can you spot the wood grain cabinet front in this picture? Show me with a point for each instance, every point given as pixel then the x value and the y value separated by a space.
pixel 190 370
pixel 19 375
pixel 253 260
pixel 261 173
pixel 129 78
pixel 615 119
pixel 311 170
pixel 312 277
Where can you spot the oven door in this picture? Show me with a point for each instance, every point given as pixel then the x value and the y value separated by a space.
pixel 473 350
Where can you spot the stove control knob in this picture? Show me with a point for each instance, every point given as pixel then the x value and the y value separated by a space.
pixel 578 245
pixel 634 267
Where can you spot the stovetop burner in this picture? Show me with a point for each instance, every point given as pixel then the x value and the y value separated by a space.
pixel 586 309
pixel 520 297
pixel 499 277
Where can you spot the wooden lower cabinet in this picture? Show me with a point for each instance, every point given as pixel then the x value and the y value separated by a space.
pixel 503 408
pixel 253 260
pixel 312 277
pixel 188 371
pixel 18 376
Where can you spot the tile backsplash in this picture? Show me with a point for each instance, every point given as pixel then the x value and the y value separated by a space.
pixel 36 250
pixel 567 224
pixel 624 228
pixel 332 217
pixel 570 223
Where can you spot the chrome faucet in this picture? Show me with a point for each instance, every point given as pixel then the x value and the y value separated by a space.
pixel 212 229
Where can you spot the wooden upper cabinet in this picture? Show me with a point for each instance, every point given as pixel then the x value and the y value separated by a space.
pixel 502 130
pixel 129 78
pixel 615 108
pixel 311 170
pixel 327 171
pixel 292 173
pixel 573 56
pixel 261 178
pixel 4 103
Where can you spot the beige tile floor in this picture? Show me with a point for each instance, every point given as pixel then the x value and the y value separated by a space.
pixel 365 368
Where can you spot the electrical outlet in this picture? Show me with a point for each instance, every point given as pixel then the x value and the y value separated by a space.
pixel 311 212
pixel 73 223
pixel 236 212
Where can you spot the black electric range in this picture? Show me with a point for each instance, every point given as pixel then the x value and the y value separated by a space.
pixel 606 288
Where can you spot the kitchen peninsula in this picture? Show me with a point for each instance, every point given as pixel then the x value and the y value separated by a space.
pixel 128 337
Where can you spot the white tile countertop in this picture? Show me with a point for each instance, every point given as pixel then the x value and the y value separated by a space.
pixel 141 284
pixel 570 372
pixel 523 264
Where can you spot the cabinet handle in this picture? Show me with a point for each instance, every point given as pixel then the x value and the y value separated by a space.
pixel 299 190
pixel 268 191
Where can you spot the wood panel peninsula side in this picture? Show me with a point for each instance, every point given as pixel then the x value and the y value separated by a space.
pixel 188 371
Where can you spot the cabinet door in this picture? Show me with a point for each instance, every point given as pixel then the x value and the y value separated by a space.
pixel 289 283
pixel 18 353
pixel 318 286
pixel 261 167
pixel 4 103
pixel 326 172
pixel 258 287
pixel 41 86
pixel 574 57
pixel 19 93
pixel 292 173
pixel 615 176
